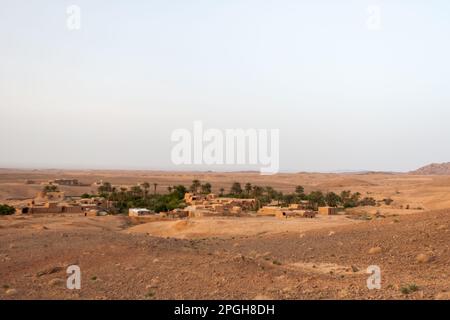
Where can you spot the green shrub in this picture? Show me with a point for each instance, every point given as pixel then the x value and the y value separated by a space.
pixel 368 201
pixel 6 210
pixel 409 288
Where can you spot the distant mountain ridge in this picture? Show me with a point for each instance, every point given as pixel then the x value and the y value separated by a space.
pixel 434 169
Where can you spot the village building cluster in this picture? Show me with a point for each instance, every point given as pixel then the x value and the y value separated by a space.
pixel 197 205
pixel 293 210
pixel 67 182
pixel 57 202
pixel 209 205
pixel 200 205
pixel 59 182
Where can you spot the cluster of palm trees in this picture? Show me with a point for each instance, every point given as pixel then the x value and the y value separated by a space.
pixel 50 188
pixel 267 194
pixel 140 189
pixel 198 187
pixel 141 196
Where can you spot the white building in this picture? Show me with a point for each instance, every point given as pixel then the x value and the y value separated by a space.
pixel 137 212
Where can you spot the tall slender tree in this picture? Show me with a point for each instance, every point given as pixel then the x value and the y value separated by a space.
pixel 146 186
pixel 248 188
pixel 206 188
pixel 195 185
pixel 236 189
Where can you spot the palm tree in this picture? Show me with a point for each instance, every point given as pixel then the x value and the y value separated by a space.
pixel 154 186
pixel 236 189
pixel 257 191
pixel 122 193
pixel 50 188
pixel 106 187
pixel 170 188
pixel 206 188
pixel 195 185
pixel 146 186
pixel 248 188
pixel 136 191
pixel 222 190
pixel 271 193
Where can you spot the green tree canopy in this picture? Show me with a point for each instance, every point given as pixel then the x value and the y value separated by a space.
pixel 236 189
pixel 317 198
pixel 50 188
pixel 195 185
pixel 206 188
pixel 6 210
pixel 332 199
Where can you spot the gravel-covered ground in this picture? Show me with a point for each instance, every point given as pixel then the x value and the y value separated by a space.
pixel 412 252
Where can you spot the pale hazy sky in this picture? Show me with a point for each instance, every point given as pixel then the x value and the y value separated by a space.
pixel 110 94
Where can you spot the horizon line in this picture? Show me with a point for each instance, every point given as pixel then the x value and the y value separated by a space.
pixel 349 171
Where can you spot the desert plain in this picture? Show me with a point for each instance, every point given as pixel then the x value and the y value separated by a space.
pixel 232 257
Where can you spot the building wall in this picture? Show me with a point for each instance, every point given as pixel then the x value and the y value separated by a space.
pixel 327 210
pixel 38 210
pixel 73 209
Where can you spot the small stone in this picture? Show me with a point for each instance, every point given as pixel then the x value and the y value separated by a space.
pixel 442 296
pixel 11 292
pixel 375 250
pixel 56 282
pixel 424 258
pixel 354 268
pixel 153 284
pixel 343 293
pixel 49 271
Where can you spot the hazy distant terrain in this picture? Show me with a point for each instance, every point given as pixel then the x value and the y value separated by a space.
pixel 434 169
pixel 425 191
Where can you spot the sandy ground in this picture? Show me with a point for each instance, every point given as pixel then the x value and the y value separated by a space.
pixel 315 264
pixel 234 258
pixel 239 226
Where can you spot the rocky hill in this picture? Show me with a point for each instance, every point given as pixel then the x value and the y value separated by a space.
pixel 434 169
